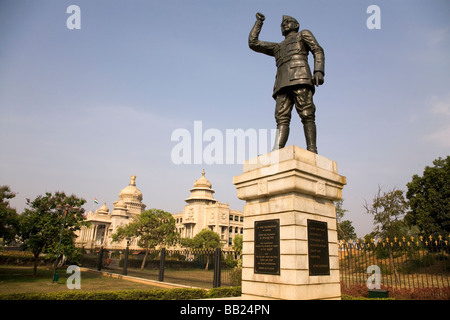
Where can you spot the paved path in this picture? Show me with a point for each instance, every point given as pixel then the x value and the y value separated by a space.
pixel 166 285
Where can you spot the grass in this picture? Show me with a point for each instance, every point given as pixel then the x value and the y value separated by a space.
pixel 16 279
pixel 189 277
pixel 194 277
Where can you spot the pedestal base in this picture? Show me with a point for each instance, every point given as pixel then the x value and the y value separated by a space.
pixel 293 190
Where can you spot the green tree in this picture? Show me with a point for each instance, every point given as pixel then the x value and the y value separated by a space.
pixel 152 228
pixel 370 237
pixel 388 210
pixel 205 239
pixel 9 218
pixel 237 243
pixel 345 229
pixel 429 199
pixel 40 224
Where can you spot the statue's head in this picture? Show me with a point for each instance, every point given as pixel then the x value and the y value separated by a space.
pixel 289 24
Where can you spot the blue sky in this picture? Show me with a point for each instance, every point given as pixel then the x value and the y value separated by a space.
pixel 83 110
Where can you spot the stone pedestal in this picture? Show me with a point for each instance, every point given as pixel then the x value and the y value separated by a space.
pixel 290 248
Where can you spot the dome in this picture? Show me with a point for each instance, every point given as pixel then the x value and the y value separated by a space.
pixel 131 193
pixel 202 191
pixel 103 209
pixel 202 182
pixel 120 204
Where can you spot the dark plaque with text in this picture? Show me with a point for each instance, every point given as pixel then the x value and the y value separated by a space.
pixel 267 247
pixel 319 258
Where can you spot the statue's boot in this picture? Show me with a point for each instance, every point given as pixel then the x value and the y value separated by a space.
pixel 310 134
pixel 281 137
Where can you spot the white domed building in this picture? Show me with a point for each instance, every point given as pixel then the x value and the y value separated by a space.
pixel 203 211
pixel 104 223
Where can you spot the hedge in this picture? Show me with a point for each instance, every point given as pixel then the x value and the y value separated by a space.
pixel 154 294
pixel 347 297
pixel 433 293
pixel 22 258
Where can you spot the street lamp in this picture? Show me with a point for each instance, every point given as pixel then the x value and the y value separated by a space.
pixel 100 255
pixel 65 212
pixel 125 262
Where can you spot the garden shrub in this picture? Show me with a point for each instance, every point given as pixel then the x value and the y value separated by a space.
pixel 23 258
pixel 224 292
pixel 361 291
pixel 154 294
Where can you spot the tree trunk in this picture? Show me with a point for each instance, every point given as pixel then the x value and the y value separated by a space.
pixel 207 262
pixel 391 261
pixel 144 260
pixel 35 264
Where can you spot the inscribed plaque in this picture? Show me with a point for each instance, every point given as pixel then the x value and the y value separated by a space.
pixel 318 254
pixel 267 247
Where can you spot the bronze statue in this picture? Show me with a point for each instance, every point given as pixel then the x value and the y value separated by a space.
pixel 294 83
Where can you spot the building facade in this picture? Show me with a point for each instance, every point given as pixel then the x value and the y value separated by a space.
pixel 201 211
pixel 103 222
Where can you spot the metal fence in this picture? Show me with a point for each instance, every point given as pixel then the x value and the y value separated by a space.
pixel 396 263
pixel 205 268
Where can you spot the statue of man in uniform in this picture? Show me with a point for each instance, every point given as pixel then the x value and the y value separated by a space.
pixel 294 83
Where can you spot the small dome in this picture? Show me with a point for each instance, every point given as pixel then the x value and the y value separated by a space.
pixel 131 193
pixel 202 182
pixel 201 192
pixel 103 209
pixel 120 204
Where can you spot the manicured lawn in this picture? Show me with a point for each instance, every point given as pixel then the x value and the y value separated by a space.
pixel 15 279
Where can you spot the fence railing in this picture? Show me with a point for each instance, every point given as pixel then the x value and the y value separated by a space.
pixel 396 263
pixel 204 268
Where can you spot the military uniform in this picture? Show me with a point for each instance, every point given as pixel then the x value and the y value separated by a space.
pixel 294 81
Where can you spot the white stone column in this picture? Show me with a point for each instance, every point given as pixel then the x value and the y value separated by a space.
pixel 285 189
pixel 92 229
pixel 83 234
pixel 95 234
pixel 89 234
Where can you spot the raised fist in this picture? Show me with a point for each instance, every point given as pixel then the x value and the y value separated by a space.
pixel 260 16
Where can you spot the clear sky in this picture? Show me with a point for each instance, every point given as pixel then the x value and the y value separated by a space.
pixel 84 109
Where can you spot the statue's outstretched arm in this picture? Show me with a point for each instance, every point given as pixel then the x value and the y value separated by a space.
pixel 257 45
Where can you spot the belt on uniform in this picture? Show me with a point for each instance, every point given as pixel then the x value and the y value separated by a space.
pixel 281 61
